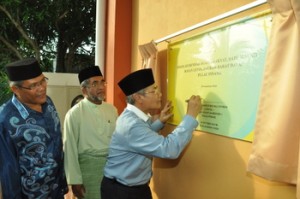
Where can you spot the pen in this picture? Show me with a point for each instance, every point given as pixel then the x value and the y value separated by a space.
pixel 189 100
pixel 203 100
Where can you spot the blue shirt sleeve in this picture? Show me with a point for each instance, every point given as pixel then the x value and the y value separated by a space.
pixel 135 142
pixel 9 170
pixel 157 125
pixel 143 139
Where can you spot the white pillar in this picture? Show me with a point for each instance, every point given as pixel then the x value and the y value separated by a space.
pixel 100 34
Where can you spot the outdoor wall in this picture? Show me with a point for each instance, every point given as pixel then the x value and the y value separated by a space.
pixel 212 166
pixel 62 88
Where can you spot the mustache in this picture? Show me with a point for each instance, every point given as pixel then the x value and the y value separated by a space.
pixel 98 98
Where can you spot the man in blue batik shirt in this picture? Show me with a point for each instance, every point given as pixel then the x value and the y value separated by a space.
pixel 136 140
pixel 31 159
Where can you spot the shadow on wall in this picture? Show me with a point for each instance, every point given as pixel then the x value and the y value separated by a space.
pixel 209 168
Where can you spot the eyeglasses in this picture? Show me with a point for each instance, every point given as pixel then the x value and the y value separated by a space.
pixel 155 91
pixel 95 84
pixel 36 85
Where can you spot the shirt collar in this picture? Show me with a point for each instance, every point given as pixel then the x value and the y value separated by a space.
pixel 91 104
pixel 138 112
pixel 22 110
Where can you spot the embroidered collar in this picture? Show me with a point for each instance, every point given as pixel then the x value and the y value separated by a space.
pixel 22 110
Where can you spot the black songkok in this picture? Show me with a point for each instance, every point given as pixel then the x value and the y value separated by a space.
pixel 89 72
pixel 23 69
pixel 136 81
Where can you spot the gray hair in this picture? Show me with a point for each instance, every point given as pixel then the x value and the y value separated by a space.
pixel 85 83
pixel 15 83
pixel 130 99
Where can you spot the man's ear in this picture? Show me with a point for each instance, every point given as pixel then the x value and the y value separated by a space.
pixel 137 97
pixel 15 89
pixel 84 91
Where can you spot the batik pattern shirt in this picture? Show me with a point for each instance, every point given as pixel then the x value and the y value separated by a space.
pixel 31 160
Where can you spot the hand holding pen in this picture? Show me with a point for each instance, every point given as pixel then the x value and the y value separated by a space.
pixel 194 105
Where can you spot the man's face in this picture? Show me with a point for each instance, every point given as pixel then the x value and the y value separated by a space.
pixel 152 98
pixel 32 91
pixel 95 91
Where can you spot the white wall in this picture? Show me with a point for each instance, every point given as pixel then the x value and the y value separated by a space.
pixel 62 88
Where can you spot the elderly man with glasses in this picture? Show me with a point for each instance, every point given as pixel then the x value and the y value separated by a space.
pixel 88 128
pixel 31 158
pixel 136 139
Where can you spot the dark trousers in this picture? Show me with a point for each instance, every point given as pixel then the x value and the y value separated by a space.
pixel 112 189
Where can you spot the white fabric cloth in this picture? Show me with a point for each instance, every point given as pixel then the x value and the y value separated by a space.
pixel 277 129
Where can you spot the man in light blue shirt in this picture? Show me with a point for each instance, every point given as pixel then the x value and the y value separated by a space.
pixel 136 140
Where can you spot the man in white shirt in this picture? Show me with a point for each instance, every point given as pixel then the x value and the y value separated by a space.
pixel 88 128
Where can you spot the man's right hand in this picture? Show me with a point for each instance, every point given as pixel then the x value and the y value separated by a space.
pixel 194 105
pixel 78 190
